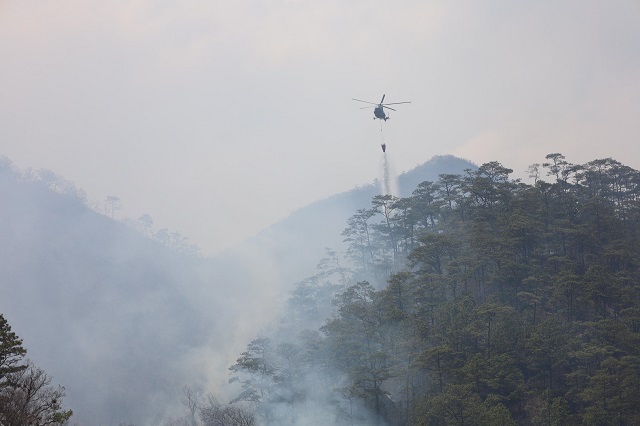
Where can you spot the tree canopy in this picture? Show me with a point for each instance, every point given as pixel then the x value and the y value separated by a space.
pixel 26 394
pixel 478 300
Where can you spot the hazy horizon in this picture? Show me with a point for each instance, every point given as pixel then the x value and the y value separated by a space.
pixel 221 118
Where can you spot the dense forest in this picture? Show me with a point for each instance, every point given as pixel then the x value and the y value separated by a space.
pixel 114 295
pixel 477 300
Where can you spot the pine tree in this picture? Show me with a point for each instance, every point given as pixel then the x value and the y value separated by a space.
pixel 11 352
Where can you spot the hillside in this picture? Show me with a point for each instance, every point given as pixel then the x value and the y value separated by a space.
pixel 319 225
pixel 99 307
pixel 517 304
pixel 124 322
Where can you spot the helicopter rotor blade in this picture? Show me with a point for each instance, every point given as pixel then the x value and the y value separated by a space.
pixel 382 100
pixel 366 102
pixel 384 106
pixel 396 103
pixel 366 107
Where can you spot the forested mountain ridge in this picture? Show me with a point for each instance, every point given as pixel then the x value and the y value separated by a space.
pixel 319 225
pixel 124 321
pixel 507 303
pixel 474 299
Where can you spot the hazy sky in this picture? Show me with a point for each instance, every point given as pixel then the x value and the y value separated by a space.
pixel 219 118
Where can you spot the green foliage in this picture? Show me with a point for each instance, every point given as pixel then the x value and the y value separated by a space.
pixel 11 351
pixel 516 304
pixel 26 394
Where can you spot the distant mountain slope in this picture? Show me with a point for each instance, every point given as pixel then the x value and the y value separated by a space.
pixel 298 242
pixel 108 313
pixel 431 171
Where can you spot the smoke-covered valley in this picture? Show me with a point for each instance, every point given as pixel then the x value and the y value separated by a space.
pixel 125 322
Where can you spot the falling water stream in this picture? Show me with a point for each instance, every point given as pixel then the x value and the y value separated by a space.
pixel 389 179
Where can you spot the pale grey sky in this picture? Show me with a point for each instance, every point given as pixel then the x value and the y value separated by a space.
pixel 219 118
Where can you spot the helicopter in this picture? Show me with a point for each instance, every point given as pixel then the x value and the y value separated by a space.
pixel 378 111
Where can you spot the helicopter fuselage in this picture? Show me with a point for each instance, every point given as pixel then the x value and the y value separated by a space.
pixel 378 112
